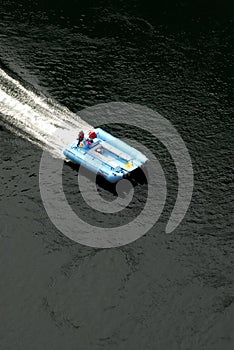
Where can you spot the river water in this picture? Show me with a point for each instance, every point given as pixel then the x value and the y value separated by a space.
pixel 163 291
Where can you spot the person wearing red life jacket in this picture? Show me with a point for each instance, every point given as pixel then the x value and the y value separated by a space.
pixel 80 137
pixel 92 135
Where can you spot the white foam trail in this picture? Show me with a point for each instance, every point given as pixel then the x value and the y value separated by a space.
pixel 37 117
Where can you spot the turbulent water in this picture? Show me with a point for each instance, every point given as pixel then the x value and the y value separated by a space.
pixel 162 291
pixel 35 118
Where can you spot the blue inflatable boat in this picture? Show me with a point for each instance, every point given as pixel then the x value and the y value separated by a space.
pixel 105 155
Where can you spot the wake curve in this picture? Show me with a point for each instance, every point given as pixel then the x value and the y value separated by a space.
pixel 37 118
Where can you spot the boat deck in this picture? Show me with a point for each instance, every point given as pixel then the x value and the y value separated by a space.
pixel 115 151
pixel 108 160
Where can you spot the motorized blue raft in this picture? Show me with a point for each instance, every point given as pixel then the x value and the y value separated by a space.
pixel 105 155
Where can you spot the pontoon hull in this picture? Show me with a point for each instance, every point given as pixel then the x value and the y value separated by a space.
pixel 108 156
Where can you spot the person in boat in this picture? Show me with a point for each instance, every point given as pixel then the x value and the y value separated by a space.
pixel 80 137
pixel 92 135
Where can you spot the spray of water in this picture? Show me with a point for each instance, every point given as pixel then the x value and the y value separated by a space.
pixel 37 118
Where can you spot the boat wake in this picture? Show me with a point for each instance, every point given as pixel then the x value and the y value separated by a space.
pixel 37 118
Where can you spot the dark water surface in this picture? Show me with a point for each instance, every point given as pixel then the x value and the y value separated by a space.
pixel 163 291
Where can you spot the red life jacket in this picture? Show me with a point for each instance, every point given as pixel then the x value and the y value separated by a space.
pixel 92 135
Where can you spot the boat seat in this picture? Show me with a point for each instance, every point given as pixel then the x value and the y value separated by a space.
pixel 116 151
